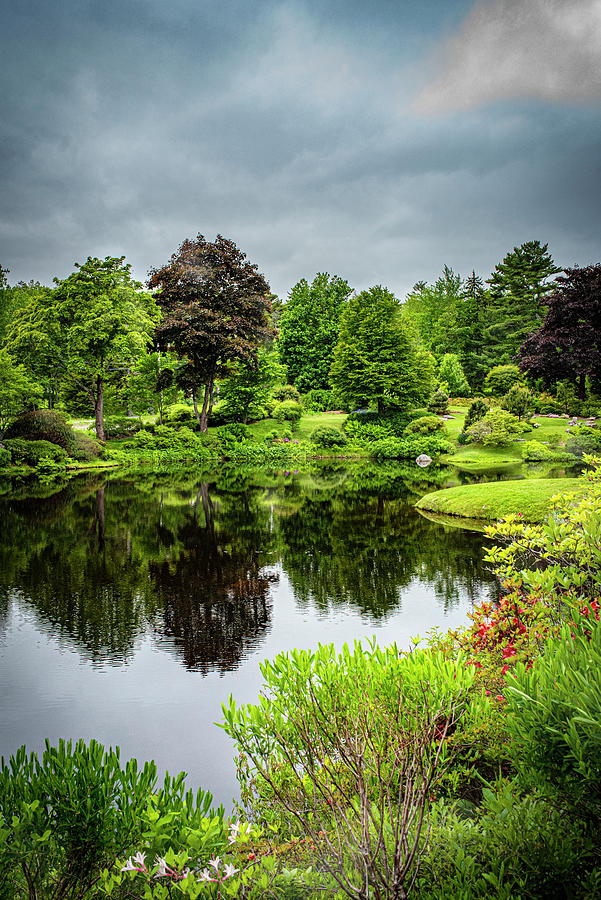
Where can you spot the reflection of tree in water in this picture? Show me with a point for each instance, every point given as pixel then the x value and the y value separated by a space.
pixel 76 569
pixel 356 548
pixel 215 595
pixel 82 559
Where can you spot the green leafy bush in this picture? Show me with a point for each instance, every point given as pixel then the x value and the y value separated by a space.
pixel 49 425
pixel 30 453
pixel 179 414
pixel 554 714
pixel 122 426
pixel 410 447
pixel 363 433
pixel 534 451
pixel 425 425
pixel 4 456
pixel 328 436
pixel 496 429
pixel 582 444
pixel 288 411
pixel 501 379
pixel 317 400
pixel 285 392
pixel 350 744
pixel 66 816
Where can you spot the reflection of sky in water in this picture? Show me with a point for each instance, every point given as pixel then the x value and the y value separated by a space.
pixel 154 706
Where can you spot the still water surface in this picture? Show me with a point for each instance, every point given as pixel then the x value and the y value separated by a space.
pixel 130 609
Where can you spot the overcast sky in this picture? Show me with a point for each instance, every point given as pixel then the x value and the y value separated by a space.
pixel 376 141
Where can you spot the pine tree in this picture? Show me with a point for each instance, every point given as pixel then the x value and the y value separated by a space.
pixel 518 287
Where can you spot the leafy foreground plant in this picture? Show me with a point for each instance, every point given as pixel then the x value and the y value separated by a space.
pixel 65 817
pixel 347 749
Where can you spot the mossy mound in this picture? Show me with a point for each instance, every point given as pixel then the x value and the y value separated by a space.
pixel 529 498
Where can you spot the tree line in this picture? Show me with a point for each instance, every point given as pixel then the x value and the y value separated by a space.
pixel 206 325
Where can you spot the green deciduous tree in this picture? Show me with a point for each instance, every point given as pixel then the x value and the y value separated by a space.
pixel 247 388
pixel 433 308
pixel 215 306
pixel 309 329
pixel 88 329
pixel 518 287
pixel 377 358
pixel 451 372
pixel 18 391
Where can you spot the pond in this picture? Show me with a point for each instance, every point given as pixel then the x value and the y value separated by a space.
pixel 132 607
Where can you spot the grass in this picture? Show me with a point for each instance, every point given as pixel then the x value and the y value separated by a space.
pixel 491 501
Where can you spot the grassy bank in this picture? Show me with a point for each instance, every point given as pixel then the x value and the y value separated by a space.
pixel 529 498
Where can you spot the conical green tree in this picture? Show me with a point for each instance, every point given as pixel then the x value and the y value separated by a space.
pixel 377 360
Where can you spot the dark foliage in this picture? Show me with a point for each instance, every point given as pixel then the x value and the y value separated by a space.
pixel 49 425
pixel 568 343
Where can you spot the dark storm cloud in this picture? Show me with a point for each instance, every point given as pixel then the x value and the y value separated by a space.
pixel 128 126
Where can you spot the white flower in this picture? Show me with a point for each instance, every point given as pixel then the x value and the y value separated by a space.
pixel 130 864
pixel 163 871
pixel 230 870
pixel 234 832
pixel 215 863
pixel 205 876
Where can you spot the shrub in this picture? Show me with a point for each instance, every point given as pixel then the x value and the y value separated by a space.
pixel 363 433
pixel 554 711
pixel 534 451
pixel 451 373
pixel 409 447
pixel 350 745
pixel 4 457
pixel 288 411
pixel 566 398
pixel 496 429
pixel 49 425
pixel 317 400
pixel 476 411
pixel 500 379
pixel 30 453
pixel 546 405
pixel 581 444
pixel 179 414
pixel 327 436
pixel 285 392
pixel 424 425
pixel 438 403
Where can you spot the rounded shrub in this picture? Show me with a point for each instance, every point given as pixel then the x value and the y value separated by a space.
pixel 327 436
pixel 4 457
pixel 424 425
pixel 49 425
pixel 288 411
pixel 30 453
pixel 179 414
pixel 534 451
pixel 286 392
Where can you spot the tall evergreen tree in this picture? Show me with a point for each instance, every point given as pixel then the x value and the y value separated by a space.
pixel 470 322
pixel 433 308
pixel 377 358
pixel 308 325
pixel 518 287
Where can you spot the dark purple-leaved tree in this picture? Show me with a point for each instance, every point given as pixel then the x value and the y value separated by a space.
pixel 215 308
pixel 568 343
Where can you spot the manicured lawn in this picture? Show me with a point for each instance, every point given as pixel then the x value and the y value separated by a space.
pixel 530 497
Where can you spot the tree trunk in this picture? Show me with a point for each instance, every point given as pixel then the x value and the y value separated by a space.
pixel 581 386
pixel 206 410
pixel 380 407
pixel 99 409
